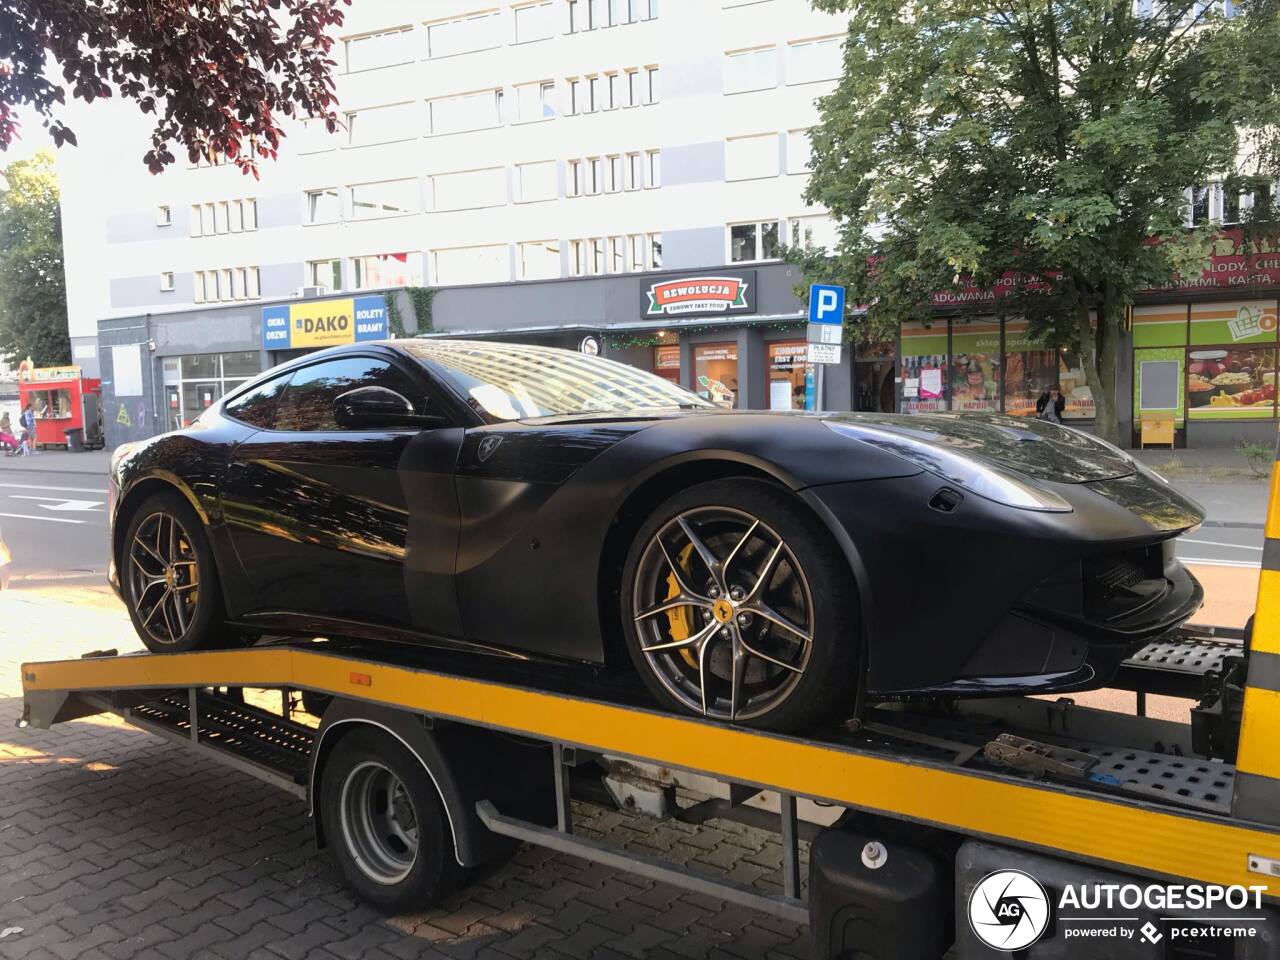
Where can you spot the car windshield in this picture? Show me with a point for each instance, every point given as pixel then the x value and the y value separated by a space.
pixel 511 381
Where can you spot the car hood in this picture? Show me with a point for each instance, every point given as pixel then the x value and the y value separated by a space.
pixel 1030 447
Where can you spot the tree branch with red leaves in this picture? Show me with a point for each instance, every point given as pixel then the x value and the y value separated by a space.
pixel 219 75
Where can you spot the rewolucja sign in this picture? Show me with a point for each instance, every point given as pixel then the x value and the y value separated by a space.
pixel 697 295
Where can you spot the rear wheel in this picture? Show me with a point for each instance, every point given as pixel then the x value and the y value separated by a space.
pixel 738 606
pixel 170 583
pixel 386 825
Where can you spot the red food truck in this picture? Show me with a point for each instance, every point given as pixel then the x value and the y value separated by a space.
pixel 66 404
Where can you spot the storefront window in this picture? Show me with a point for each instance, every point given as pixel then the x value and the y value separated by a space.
pixel 715 372
pixel 195 382
pixel 51 404
pixel 975 365
pixel 1074 386
pixel 1231 384
pixel 666 362
pixel 924 362
pixel 1030 369
pixel 788 373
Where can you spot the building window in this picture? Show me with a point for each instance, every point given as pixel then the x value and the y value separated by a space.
pixel 715 372
pixel 468 111
pixel 537 21
pixel 391 198
pixel 666 362
pixel 539 260
pixel 194 383
pixel 383 49
pixel 323 206
pixel 325 274
pixel 166 281
pixel 536 181
pixel 596 183
pixel 597 14
pixel 975 365
pixel 811 232
pixel 381 124
pixel 226 285
pixel 476 31
pixel 576 88
pixel 653 168
pixel 1030 369
pixel 655 251
pixel 799 152
pixel 164 215
pixel 923 368
pixel 487 264
pixel 788 370
pixel 812 60
pixel 468 189
pixel 1197 199
pixel 223 216
pixel 652 92
pixel 535 101
pixel 387 270
pixel 746 70
pixel 753 241
pixel 751 158
pixel 597 256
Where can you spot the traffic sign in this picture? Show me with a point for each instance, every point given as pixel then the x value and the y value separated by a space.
pixel 825 333
pixel 826 303
pixel 824 353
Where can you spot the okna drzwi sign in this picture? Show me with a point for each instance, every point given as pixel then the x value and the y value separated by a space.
pixel 700 296
pixel 323 323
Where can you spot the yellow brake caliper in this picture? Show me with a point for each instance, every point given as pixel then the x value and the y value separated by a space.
pixel 678 617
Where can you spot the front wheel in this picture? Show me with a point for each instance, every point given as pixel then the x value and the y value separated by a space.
pixel 169 579
pixel 738 606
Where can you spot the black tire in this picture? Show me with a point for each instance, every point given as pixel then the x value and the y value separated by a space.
pixel 829 680
pixel 197 622
pixel 430 870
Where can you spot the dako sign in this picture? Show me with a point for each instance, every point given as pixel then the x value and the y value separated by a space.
pixel 324 323
pixel 700 296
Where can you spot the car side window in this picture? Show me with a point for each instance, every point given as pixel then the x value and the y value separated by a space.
pixel 308 402
pixel 257 407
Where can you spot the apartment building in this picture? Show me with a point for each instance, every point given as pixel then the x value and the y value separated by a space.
pixel 537 162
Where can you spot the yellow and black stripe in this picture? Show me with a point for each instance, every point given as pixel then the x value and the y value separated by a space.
pixel 1257 793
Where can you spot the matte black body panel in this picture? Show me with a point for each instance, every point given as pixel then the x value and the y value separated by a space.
pixel 494 536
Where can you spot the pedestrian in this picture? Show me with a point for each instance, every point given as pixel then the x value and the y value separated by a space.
pixel 7 439
pixel 28 438
pixel 1050 405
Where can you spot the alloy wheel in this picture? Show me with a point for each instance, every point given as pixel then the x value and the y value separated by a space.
pixel 379 826
pixel 723 612
pixel 164 576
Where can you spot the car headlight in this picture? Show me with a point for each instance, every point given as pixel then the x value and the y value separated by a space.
pixel 975 476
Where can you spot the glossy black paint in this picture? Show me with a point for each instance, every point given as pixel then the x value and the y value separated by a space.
pixel 507 537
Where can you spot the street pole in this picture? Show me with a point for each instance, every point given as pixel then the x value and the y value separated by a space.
pixel 817 387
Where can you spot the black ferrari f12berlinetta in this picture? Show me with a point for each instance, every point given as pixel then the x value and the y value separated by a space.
pixel 762 568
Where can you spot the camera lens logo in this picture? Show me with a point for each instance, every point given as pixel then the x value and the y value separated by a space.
pixel 1008 910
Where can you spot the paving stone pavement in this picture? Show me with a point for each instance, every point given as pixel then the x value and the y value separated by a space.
pixel 116 845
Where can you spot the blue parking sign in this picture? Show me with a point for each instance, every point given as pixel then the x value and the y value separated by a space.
pixel 826 303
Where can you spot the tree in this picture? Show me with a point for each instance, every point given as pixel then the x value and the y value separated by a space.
pixel 218 74
pixel 33 294
pixel 971 141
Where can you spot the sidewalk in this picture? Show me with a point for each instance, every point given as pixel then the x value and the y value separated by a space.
pixel 61 461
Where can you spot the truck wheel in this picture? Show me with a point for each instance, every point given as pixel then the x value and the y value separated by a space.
pixel 385 822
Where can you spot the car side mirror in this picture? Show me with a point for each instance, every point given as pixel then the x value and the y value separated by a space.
pixel 379 407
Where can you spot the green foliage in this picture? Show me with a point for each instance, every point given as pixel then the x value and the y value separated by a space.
pixel 971 140
pixel 33 296
pixel 1259 456
pixel 420 300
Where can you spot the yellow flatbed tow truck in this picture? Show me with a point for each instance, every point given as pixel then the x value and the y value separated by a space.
pixel 423 764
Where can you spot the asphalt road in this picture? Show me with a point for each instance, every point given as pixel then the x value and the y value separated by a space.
pixel 55 525
pixel 1232 546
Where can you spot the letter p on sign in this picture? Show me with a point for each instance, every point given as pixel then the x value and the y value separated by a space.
pixel 826 303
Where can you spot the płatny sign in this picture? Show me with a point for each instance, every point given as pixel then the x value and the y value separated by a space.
pixel 324 323
pixel 700 296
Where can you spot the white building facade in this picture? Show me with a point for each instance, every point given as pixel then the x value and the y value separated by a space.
pixel 482 144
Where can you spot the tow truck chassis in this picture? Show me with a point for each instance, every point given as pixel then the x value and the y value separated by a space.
pixel 1077 785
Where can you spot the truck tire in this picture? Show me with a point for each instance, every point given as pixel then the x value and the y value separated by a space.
pixel 386 825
